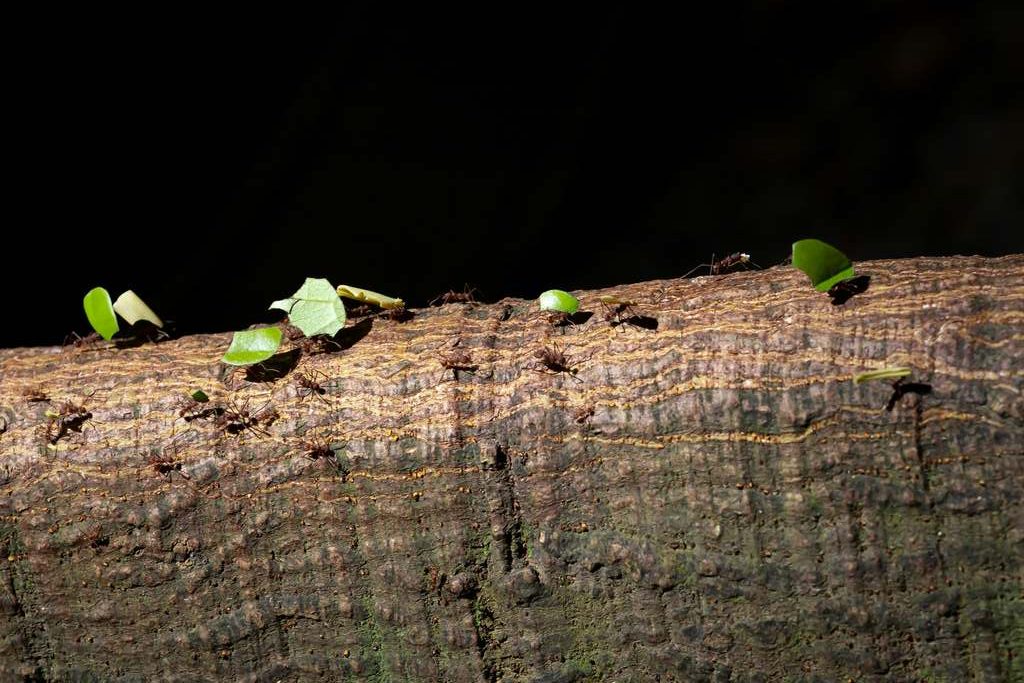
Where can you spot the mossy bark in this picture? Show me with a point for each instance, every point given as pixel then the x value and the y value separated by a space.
pixel 711 500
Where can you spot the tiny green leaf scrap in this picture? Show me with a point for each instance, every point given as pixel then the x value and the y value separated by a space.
pixel 822 262
pixel 365 295
pixel 615 301
pixel 315 308
pixel 133 309
pixel 100 312
pixel 558 301
pixel 199 396
pixel 883 373
pixel 253 346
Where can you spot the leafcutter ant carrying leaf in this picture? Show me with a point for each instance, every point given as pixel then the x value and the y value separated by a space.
pixel 311 345
pixel 318 344
pixel 900 388
pixel 197 406
pixel 400 314
pixel 361 311
pixel 722 265
pixel 560 306
pixel 79 342
pixel 841 292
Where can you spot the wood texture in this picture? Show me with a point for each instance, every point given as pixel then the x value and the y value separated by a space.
pixel 713 500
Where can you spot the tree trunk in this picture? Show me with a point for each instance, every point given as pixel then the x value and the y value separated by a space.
pixel 710 500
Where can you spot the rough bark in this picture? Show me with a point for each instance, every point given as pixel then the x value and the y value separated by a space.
pixel 713 500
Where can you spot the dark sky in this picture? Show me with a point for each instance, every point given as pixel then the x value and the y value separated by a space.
pixel 210 163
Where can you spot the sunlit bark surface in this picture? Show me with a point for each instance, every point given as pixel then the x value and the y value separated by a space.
pixel 710 500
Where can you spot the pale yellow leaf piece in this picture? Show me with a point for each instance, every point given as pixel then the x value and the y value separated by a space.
pixel 359 294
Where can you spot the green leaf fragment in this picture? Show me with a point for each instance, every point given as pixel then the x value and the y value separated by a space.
pixel 253 346
pixel 883 373
pixel 315 308
pixel 100 312
pixel 822 262
pixel 199 396
pixel 359 294
pixel 133 309
pixel 557 300
pixel 615 301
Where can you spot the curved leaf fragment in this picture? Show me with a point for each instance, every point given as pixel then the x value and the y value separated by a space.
pixel 557 300
pixel 100 312
pixel 133 309
pixel 365 295
pixel 822 262
pixel 253 346
pixel 612 300
pixel 883 373
pixel 315 308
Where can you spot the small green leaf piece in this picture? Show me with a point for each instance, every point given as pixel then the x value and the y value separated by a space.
pixel 823 263
pixel 315 308
pixel 883 373
pixel 557 300
pixel 199 396
pixel 100 313
pixel 283 304
pixel 615 301
pixel 133 309
pixel 253 346
pixel 359 294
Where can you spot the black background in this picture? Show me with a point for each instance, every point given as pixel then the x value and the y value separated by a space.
pixel 211 163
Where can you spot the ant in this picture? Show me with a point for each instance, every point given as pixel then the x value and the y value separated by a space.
pixel 194 407
pixel 291 332
pixel 78 341
pixel 583 414
pixel 901 388
pixel 145 331
pixel 720 266
pixel 455 361
pixel 360 311
pixel 96 539
pixel 559 318
pixel 617 312
pixel 165 460
pixel 317 344
pixel 319 449
pixel 453 297
pixel 555 361
pixel 399 314
pixel 309 385
pixel 35 395
pixel 238 417
pixel 69 418
pixel 164 465
pixel 841 292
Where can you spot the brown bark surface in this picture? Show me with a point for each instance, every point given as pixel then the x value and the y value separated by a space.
pixel 713 500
